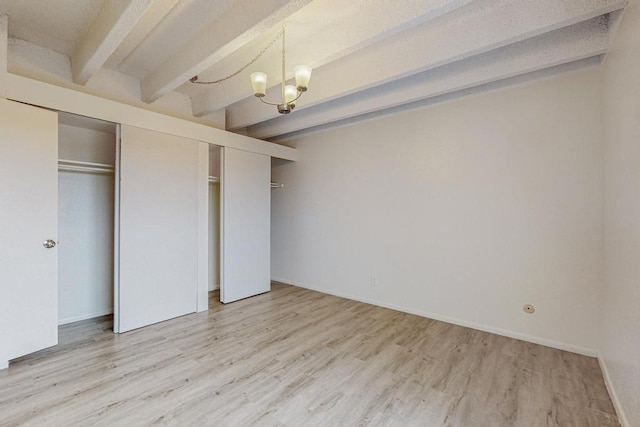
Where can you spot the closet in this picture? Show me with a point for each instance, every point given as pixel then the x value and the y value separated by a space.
pixel 99 217
pixel 86 160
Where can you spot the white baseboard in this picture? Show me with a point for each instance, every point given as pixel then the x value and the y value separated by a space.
pixel 622 417
pixel 4 364
pixel 214 287
pixel 498 331
pixel 283 281
pixel 84 317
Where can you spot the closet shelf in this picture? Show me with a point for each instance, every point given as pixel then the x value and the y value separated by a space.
pixel 89 167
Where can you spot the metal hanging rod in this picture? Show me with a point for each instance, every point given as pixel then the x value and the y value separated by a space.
pixel 104 168
pixel 272 185
pixel 88 167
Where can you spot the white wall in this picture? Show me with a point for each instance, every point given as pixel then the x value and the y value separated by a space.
pixel 86 145
pixel 85 226
pixel 462 211
pixel 621 296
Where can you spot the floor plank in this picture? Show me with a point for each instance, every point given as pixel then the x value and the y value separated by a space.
pixel 296 357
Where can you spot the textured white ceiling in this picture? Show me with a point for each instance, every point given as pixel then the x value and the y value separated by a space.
pixel 368 55
pixel 184 21
pixel 316 42
pixel 55 24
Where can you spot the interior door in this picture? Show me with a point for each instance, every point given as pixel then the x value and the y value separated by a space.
pixel 245 225
pixel 28 229
pixel 158 224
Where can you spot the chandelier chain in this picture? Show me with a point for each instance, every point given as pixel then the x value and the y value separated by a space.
pixel 271 43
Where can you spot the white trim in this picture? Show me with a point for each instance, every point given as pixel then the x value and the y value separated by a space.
pixel 221 227
pixel 4 364
pixel 283 281
pixel 84 317
pixel 622 417
pixel 498 331
pixel 116 235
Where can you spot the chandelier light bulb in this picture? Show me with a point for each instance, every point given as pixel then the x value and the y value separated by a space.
pixel 303 75
pixel 259 84
pixel 290 94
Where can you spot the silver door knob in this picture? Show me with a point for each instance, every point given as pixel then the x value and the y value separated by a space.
pixel 48 244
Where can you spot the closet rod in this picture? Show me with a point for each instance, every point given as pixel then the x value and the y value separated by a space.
pixel 272 185
pixel 76 166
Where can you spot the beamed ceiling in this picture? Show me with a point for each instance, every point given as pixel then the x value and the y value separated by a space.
pixel 368 56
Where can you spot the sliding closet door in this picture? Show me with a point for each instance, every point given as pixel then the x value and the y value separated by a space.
pixel 160 197
pixel 28 229
pixel 245 228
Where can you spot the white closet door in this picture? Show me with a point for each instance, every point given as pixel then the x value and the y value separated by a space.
pixel 28 217
pixel 159 245
pixel 246 222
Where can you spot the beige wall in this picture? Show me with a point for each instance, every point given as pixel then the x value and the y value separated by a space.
pixel 462 211
pixel 621 297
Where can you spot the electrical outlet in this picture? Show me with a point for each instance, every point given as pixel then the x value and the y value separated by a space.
pixel 374 281
pixel 528 308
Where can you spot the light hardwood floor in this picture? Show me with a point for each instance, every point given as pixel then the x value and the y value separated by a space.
pixel 295 357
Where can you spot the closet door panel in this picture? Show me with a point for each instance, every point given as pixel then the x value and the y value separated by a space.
pixel 246 225
pixel 158 227
pixel 28 217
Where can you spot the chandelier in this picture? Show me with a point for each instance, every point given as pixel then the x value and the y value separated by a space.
pixel 289 93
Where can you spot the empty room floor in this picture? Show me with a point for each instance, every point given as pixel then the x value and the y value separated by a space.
pixel 296 357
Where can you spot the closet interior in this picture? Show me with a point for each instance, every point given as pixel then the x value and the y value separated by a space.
pixel 86 160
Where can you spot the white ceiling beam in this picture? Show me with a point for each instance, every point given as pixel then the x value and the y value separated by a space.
pixel 110 28
pixel 4 50
pixel 244 21
pixel 584 40
pixel 546 73
pixel 491 25
pixel 352 38
pixel 156 12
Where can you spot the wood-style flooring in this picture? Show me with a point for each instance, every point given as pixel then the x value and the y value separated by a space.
pixel 295 357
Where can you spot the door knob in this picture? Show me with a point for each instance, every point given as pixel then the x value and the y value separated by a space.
pixel 48 244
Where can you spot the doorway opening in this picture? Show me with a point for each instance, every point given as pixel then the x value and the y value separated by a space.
pixel 86 185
